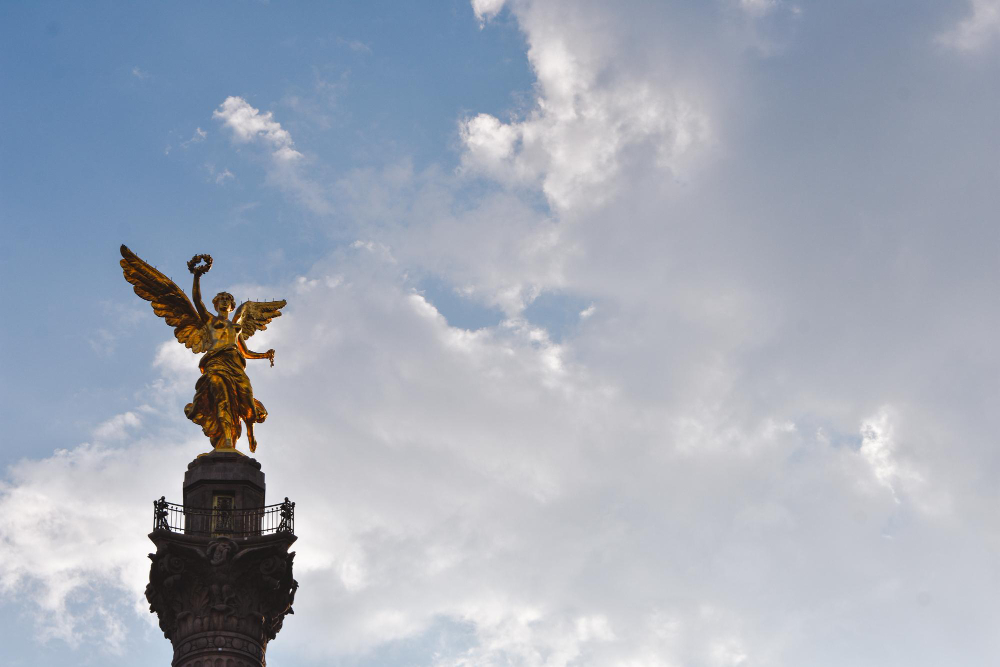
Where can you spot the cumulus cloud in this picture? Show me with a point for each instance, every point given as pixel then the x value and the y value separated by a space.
pixel 742 356
pixel 590 114
pixel 73 526
pixel 117 427
pixel 762 444
pixel 491 479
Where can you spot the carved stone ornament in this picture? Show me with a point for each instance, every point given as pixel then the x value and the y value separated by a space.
pixel 220 599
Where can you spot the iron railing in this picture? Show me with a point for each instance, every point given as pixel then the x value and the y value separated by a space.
pixel 224 522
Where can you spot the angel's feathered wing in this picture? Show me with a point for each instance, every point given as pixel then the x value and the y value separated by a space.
pixel 254 316
pixel 169 301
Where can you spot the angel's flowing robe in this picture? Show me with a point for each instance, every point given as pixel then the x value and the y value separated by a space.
pixel 222 397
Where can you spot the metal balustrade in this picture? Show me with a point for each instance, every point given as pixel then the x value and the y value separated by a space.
pixel 219 522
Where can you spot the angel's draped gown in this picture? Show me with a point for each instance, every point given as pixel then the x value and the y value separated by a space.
pixel 223 395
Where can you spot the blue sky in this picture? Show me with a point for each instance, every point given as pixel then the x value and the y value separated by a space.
pixel 618 333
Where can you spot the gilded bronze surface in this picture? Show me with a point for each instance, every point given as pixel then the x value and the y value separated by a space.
pixel 223 396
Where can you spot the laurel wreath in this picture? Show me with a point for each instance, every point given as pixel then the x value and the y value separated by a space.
pixel 194 268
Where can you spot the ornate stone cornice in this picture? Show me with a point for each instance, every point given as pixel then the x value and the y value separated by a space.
pixel 220 598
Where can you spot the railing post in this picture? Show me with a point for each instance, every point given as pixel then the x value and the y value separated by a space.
pixel 287 524
pixel 160 514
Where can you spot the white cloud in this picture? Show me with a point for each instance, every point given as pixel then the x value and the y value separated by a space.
pixel 492 479
pixel 591 113
pixel 489 140
pixel 117 428
pixel 486 9
pixel 249 124
pixel 287 171
pixel 976 30
pixel 679 479
pixel 879 448
pixel 140 74
pixel 71 530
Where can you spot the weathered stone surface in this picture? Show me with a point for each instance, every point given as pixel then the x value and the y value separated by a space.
pixel 219 598
pixel 221 472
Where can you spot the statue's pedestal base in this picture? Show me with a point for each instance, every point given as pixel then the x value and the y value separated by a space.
pixel 223 450
pixel 224 474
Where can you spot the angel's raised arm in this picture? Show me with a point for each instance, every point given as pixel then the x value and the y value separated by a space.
pixel 196 297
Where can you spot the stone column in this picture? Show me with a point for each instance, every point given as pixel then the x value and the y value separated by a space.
pixel 221 590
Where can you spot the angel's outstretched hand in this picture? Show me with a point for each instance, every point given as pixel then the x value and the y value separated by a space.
pixel 270 357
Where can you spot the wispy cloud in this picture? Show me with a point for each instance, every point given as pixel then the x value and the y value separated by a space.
pixel 119 319
pixel 196 138
pixel 355 45
pixel 758 7
pixel 250 126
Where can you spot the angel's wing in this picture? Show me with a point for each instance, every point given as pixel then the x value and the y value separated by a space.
pixel 169 301
pixel 254 316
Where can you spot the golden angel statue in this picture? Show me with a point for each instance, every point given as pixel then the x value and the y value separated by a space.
pixel 223 395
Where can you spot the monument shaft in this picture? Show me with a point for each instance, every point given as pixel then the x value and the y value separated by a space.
pixel 221 577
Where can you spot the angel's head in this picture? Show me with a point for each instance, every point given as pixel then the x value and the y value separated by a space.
pixel 224 303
